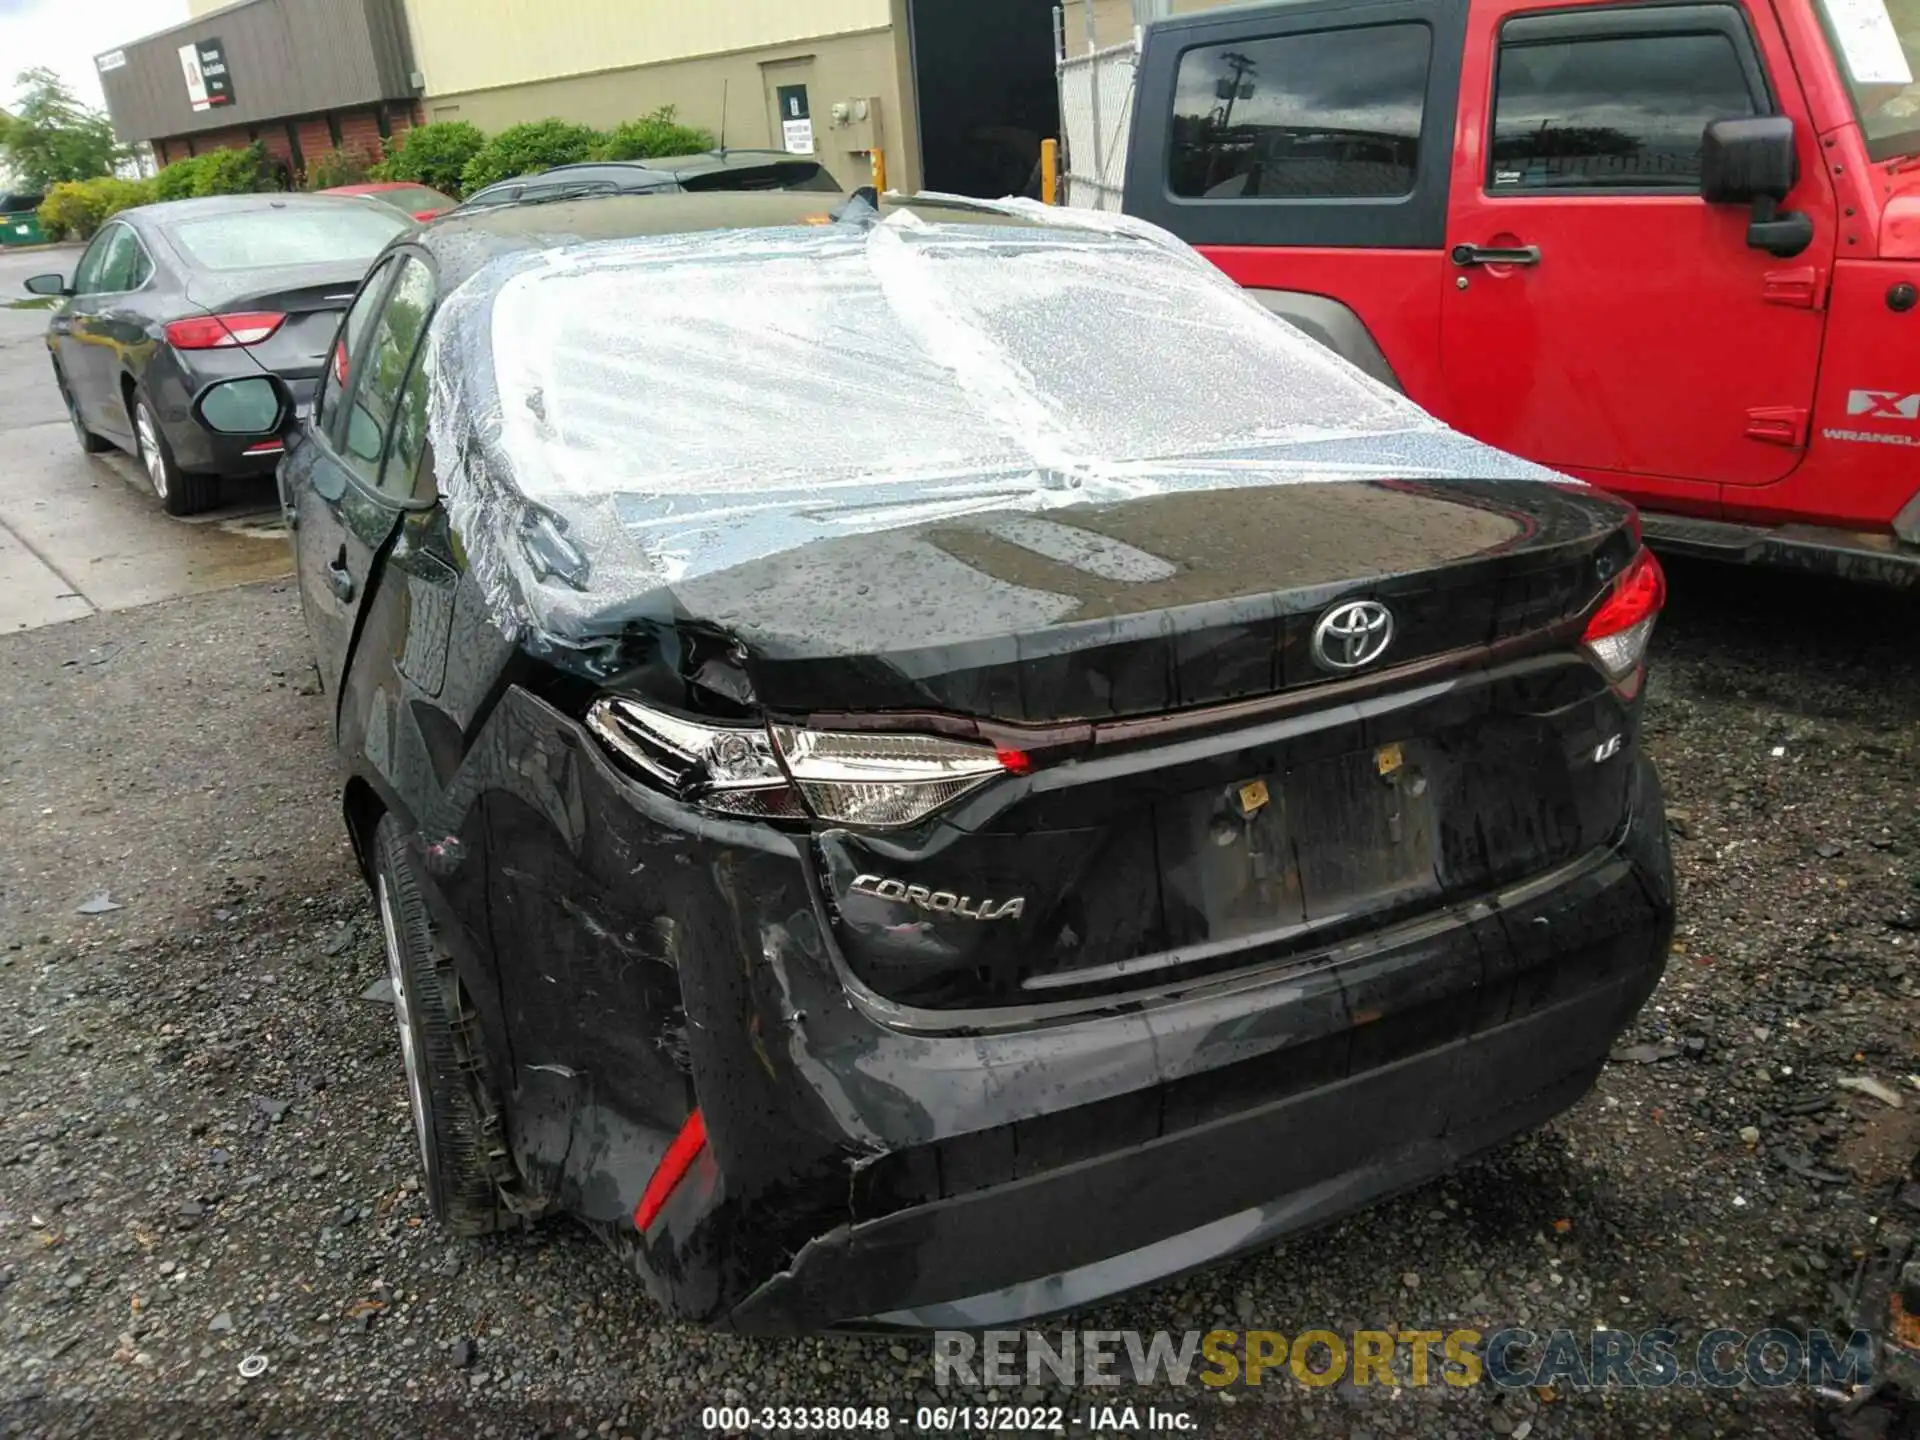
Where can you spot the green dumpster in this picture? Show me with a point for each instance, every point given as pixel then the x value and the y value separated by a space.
pixel 21 228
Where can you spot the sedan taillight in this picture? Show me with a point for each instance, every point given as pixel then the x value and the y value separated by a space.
pixel 787 772
pixel 220 332
pixel 1617 635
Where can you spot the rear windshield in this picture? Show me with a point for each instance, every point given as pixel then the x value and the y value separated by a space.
pixel 763 357
pixel 1878 46
pixel 780 175
pixel 306 235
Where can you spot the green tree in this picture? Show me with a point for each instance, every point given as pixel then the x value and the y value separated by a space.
pixel 660 133
pixel 528 149
pixel 432 155
pixel 53 137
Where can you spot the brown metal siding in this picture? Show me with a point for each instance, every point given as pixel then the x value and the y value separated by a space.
pixel 286 57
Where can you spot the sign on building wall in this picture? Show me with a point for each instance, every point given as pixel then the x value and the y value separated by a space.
pixel 796 120
pixel 209 83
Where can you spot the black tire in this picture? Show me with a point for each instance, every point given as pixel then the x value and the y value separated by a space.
pixel 179 492
pixel 456 1116
pixel 90 443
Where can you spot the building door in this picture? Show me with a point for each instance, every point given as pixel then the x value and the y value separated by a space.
pixel 983 74
pixel 790 99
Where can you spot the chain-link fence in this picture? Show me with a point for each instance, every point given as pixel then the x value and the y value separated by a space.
pixel 1096 112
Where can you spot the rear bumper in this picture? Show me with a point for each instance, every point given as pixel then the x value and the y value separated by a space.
pixel 196 449
pixel 1506 1055
pixel 996 1258
pixel 868 1166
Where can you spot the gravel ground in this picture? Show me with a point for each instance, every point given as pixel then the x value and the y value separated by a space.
pixel 205 1153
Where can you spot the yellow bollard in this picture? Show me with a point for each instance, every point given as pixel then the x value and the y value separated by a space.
pixel 879 158
pixel 1049 172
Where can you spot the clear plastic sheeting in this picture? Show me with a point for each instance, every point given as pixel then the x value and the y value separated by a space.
pixel 624 416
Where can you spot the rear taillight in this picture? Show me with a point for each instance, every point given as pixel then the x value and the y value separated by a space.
pixel 786 772
pixel 220 332
pixel 1617 635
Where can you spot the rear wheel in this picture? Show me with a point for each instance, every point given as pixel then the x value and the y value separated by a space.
pixel 456 1119
pixel 180 493
pixel 91 443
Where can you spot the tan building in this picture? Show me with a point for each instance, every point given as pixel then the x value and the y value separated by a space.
pixel 956 94
pixel 722 65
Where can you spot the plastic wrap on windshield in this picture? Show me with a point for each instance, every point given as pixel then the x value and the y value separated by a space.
pixel 612 419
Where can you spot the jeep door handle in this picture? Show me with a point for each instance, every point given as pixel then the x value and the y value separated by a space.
pixel 1464 255
pixel 341 579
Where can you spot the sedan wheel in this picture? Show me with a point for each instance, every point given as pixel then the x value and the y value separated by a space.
pixel 456 1123
pixel 180 494
pixel 148 434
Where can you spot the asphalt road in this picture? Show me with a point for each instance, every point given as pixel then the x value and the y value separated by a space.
pixel 80 535
pixel 205 1155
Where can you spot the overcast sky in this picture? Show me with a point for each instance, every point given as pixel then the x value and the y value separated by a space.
pixel 65 35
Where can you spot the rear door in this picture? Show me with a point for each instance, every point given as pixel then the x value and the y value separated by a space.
pixel 333 482
pixel 1639 341
pixel 1304 149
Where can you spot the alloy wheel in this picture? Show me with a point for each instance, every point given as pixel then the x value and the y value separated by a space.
pixel 409 1054
pixel 148 437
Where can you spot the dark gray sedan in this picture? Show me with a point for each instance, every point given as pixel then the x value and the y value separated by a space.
pixel 169 298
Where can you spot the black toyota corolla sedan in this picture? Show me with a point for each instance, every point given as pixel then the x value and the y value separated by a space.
pixel 927 764
pixel 168 298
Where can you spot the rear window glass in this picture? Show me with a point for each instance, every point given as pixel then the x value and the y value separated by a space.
pixel 1330 115
pixel 778 176
pixel 307 235
pixel 412 198
pixel 1625 112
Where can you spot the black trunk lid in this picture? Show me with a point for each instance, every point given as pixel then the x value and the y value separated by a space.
pixel 1207 793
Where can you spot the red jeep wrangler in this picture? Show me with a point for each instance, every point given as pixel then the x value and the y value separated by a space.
pixel 1673 249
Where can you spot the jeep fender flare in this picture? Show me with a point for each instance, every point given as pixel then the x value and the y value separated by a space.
pixel 1334 325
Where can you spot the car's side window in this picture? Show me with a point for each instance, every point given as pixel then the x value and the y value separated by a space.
pixel 142 270
pixel 86 275
pixel 1330 114
pixel 1614 111
pixel 348 345
pixel 374 399
pixel 117 264
pixel 400 477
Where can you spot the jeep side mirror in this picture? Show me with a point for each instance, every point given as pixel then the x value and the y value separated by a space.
pixel 1752 161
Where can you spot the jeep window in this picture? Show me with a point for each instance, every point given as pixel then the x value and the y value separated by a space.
pixel 1330 115
pixel 1877 45
pixel 1621 112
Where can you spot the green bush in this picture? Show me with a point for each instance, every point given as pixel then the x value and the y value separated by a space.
pixel 77 208
pixel 233 172
pixel 345 166
pixel 218 172
pixel 528 149
pixel 176 181
pixel 432 155
pixel 656 134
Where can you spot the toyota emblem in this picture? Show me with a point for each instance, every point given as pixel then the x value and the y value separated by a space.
pixel 1354 634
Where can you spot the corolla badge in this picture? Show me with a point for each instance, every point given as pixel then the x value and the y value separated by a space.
pixel 1354 634
pixel 940 902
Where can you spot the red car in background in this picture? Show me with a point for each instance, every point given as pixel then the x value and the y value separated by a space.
pixel 422 202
